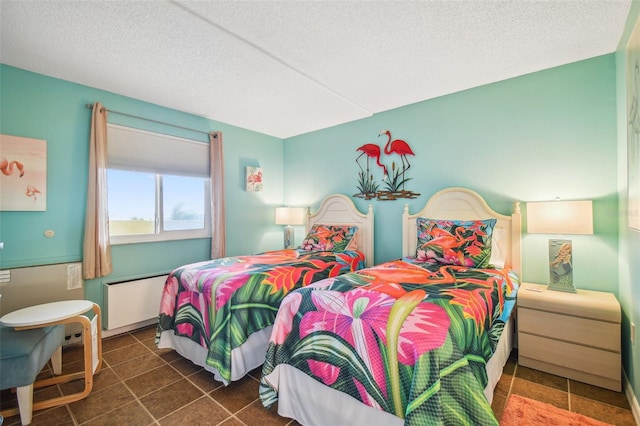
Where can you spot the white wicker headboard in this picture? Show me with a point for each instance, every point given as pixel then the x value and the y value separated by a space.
pixel 465 204
pixel 338 209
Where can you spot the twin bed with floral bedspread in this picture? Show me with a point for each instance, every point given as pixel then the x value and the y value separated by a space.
pixel 420 340
pixel 219 313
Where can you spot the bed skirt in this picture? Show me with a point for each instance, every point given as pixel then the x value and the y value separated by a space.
pixel 243 359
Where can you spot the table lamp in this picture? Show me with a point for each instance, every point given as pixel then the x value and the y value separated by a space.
pixel 288 216
pixel 563 218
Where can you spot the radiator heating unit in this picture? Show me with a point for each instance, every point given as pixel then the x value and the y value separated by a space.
pixel 134 303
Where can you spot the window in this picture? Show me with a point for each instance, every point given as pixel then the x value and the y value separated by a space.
pixel 158 187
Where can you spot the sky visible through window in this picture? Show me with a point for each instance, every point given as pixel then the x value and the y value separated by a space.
pixel 132 196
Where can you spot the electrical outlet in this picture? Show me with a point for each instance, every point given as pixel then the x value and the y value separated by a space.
pixel 72 334
pixel 633 334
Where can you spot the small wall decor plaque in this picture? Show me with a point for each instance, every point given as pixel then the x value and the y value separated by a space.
pixel 633 128
pixel 23 174
pixel 253 179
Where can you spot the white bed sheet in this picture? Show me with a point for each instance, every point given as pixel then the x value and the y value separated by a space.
pixel 321 405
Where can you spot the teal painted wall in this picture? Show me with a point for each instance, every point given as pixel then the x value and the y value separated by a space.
pixel 41 107
pixel 629 241
pixel 536 137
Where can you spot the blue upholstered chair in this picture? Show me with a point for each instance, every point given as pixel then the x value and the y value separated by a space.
pixel 23 354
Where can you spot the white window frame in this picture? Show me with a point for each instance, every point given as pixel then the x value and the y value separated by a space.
pixel 160 234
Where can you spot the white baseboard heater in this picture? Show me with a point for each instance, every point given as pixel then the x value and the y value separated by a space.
pixel 134 301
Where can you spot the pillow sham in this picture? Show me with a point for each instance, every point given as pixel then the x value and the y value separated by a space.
pixel 455 242
pixel 329 237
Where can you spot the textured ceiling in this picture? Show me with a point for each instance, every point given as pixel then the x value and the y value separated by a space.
pixel 284 68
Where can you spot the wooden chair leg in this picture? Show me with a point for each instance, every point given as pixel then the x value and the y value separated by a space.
pixel 25 403
pixel 56 361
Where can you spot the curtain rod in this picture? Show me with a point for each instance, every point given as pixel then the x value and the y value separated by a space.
pixel 90 106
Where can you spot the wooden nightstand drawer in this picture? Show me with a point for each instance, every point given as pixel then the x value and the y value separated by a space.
pixel 571 356
pixel 595 305
pixel 583 331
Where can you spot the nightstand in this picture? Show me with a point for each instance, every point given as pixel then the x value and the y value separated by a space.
pixel 570 335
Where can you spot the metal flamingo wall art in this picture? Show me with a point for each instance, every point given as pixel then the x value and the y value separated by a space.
pixel 394 184
pixel 366 184
pixel 371 151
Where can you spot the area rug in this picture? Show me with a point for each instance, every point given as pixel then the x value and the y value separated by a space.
pixel 521 411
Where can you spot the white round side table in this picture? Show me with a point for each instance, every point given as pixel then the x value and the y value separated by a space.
pixel 46 313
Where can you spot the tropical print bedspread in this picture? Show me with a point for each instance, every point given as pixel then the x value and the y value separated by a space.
pixel 220 303
pixel 405 337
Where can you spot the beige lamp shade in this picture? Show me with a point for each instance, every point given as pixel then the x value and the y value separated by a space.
pixel 289 215
pixel 560 217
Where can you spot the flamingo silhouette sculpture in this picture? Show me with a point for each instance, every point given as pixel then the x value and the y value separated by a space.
pixel 400 147
pixel 371 151
pixel 6 167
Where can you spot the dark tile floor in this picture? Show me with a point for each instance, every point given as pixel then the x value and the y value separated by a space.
pixel 142 385
pixel 591 401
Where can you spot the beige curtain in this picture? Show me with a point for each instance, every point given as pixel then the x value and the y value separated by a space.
pixel 96 254
pixel 218 221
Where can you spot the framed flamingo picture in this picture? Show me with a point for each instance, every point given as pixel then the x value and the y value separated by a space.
pixel 23 174
pixel 253 179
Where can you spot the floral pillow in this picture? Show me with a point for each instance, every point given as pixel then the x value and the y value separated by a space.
pixel 329 237
pixel 455 242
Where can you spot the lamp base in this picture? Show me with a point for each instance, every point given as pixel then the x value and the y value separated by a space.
pixel 289 237
pixel 562 287
pixel 560 266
